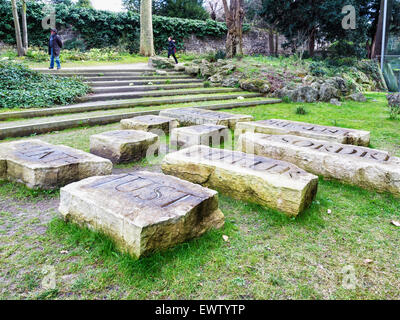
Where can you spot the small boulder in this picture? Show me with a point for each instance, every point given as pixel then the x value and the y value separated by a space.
pixel 358 97
pixel 335 102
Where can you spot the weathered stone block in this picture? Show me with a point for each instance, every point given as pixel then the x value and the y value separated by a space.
pixel 364 167
pixel 191 116
pixel 272 183
pixel 38 164
pixel 203 134
pixel 122 145
pixel 277 126
pixel 149 123
pixel 142 211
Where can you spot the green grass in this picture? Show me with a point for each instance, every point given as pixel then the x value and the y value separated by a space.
pixel 268 255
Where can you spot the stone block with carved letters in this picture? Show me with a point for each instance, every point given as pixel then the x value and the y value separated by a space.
pixel 361 166
pixel 142 211
pixel 334 134
pixel 38 164
pixel 122 145
pixel 203 134
pixel 272 183
pixel 193 116
pixel 150 123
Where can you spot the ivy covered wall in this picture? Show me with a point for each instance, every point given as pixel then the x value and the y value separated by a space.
pixel 101 28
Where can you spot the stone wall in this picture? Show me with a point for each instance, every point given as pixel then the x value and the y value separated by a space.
pixel 255 41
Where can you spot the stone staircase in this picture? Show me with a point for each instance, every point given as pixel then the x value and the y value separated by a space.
pixel 117 91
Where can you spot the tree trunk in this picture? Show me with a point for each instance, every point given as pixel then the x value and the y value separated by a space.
pixel 234 15
pixel 271 41
pixel 311 43
pixel 377 43
pixel 146 29
pixel 18 39
pixel 24 27
pixel 276 43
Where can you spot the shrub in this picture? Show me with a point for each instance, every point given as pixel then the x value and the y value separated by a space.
pixel 317 70
pixel 394 105
pixel 21 87
pixel 220 54
pixel 301 110
pixel 207 84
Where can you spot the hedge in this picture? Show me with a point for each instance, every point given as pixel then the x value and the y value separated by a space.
pixel 102 28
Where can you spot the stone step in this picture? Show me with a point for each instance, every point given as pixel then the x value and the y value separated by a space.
pixel 101 90
pixel 118 74
pixel 94 70
pixel 141 82
pixel 35 126
pixel 160 93
pixel 131 78
pixel 120 104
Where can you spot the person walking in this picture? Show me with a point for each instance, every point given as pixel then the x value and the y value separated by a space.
pixel 172 48
pixel 55 45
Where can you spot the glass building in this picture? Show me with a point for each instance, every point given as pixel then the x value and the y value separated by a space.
pixel 391 59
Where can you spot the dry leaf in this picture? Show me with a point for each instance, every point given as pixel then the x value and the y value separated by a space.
pixel 226 238
pixel 368 261
pixel 329 211
pixel 395 223
pixel 64 252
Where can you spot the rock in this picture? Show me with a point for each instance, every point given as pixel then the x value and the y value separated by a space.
pixel 38 164
pixel 394 100
pixel 192 116
pixel 256 85
pixel 150 123
pixel 300 94
pixel 123 145
pixel 216 78
pixel 360 166
pixel 161 62
pixel 179 67
pixel 284 127
pixel 203 134
pixel 161 72
pixel 359 97
pixel 327 92
pixel 142 212
pixel 275 184
pixel 335 102
pixel 192 69
pixel 231 81
pixel 206 69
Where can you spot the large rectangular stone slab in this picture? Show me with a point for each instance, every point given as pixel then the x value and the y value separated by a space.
pixel 272 183
pixel 150 123
pixel 309 130
pixel 142 211
pixel 203 134
pixel 192 116
pixel 122 145
pixel 38 164
pixel 361 166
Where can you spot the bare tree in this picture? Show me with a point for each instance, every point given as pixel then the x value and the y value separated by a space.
pixel 234 16
pixel 20 48
pixel 214 8
pixel 146 29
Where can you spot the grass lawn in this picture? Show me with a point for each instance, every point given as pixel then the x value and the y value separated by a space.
pixel 267 255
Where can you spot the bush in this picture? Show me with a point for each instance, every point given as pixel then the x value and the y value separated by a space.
pixel 394 105
pixel 317 70
pixel 301 110
pixel 21 87
pixel 206 84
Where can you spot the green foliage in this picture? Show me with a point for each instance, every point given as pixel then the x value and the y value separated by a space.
pixel 220 54
pixel 21 87
pixel 98 29
pixel 207 84
pixel 301 110
pixel 190 9
pixel 317 70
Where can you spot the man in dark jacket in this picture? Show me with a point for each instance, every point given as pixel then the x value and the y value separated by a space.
pixel 172 49
pixel 55 45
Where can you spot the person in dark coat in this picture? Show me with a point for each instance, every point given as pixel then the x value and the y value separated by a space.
pixel 55 45
pixel 172 49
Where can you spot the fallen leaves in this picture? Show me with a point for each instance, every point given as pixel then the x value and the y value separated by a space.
pixel 226 238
